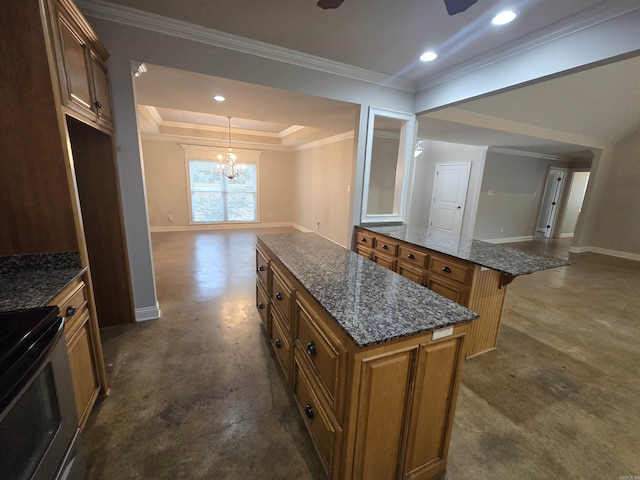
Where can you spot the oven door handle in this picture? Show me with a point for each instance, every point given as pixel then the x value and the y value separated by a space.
pixel 34 358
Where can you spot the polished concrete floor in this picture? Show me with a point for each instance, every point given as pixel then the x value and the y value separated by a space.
pixel 196 394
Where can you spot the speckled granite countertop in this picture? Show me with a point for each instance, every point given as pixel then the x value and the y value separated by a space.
pixel 29 281
pixel 370 303
pixel 503 259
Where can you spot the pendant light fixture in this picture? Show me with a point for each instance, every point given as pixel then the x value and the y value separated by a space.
pixel 227 166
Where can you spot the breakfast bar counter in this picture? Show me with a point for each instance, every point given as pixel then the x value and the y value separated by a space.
pixel 472 273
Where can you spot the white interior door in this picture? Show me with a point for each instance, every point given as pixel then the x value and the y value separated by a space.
pixel 449 194
pixel 550 201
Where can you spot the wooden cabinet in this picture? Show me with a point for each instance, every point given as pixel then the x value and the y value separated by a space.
pixel 263 300
pixel 384 411
pixel 82 346
pixel 478 288
pixel 80 56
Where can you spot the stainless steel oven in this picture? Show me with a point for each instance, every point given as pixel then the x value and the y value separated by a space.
pixel 39 436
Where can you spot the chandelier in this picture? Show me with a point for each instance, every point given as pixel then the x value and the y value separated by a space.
pixel 227 166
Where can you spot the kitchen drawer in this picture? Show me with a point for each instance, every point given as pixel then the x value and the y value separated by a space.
pixel 414 257
pixel 71 302
pixel 387 261
pixel 321 352
pixel 324 429
pixel 451 290
pixel 281 295
pixel 262 304
pixel 445 267
pixel 262 268
pixel 281 344
pixel 366 252
pixel 365 238
pixel 411 272
pixel 387 246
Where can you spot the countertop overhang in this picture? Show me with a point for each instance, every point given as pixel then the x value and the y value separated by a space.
pixel 509 261
pixel 371 304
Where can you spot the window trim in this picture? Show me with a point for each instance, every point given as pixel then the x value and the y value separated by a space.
pixel 201 152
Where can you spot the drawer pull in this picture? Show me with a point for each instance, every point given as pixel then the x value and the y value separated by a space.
pixel 261 306
pixel 261 268
pixel 311 348
pixel 278 343
pixel 364 240
pixel 384 247
pixel 278 296
pixel 308 411
pixel 71 310
pixel 411 256
pixel 446 269
pixel 98 104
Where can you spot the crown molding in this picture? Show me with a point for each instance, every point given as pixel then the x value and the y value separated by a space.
pixel 188 31
pixel 587 18
pixel 524 153
pixel 325 141
pixel 214 128
pixel 290 130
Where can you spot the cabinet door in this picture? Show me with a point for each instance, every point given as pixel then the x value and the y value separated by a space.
pixel 74 58
pixel 451 290
pixel 433 405
pixel 83 372
pixel 102 101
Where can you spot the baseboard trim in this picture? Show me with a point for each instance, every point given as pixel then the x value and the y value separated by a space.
pixel 148 313
pixel 606 251
pixel 566 235
pixel 223 226
pixel 526 238
pixel 301 228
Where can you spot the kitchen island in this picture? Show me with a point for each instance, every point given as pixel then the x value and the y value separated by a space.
pixel 472 273
pixel 374 360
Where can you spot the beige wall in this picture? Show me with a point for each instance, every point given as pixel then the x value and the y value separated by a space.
pixel 166 184
pixel 382 176
pixel 614 223
pixel 321 194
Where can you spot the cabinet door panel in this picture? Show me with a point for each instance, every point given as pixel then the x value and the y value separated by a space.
pixel 412 273
pixel 451 291
pixel 76 68
pixel 433 407
pixel 381 411
pixel 102 92
pixel 384 260
pixel 85 382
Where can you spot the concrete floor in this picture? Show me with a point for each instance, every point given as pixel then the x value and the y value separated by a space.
pixel 197 395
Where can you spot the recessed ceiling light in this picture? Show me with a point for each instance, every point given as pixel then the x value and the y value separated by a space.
pixel 219 98
pixel 504 17
pixel 428 56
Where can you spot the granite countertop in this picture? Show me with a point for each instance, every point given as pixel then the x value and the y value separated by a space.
pixel 30 281
pixel 503 259
pixel 370 303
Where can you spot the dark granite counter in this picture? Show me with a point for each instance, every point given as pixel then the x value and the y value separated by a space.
pixel 29 281
pixel 370 303
pixel 503 259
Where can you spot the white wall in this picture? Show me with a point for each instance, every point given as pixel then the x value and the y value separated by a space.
pixel 510 196
pixel 424 176
pixel 323 179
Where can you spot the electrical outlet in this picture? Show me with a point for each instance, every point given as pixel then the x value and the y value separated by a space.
pixel 171 217
pixel 317 225
pixel 501 229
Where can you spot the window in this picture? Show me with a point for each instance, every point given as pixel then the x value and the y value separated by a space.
pixel 215 198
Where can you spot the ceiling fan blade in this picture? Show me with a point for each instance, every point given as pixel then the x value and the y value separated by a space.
pixel 457 6
pixel 329 3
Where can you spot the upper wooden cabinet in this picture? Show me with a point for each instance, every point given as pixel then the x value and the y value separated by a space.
pixel 81 64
